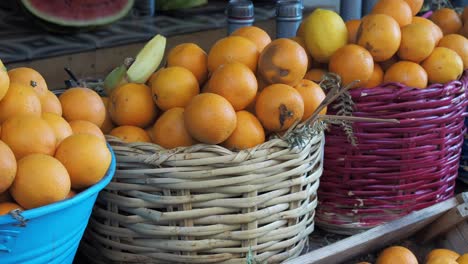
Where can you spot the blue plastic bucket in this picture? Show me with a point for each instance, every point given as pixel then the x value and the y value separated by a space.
pixel 52 233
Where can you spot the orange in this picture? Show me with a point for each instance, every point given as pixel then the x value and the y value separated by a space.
pixel 30 78
pixel 60 126
pixel 380 34
pixel 442 252
pixel 80 103
pixel 261 83
pixel 205 88
pixel 40 180
pixel 408 73
pixel 19 100
pixel 4 80
pixel 255 34
pixel 283 61
pixel 235 82
pixel 150 81
pixel 50 103
pixel 457 43
pixel 312 95
pixel 300 30
pixel 278 107
pixel 396 255
pixel 169 131
pixel 248 133
pixel 191 57
pixel 463 259
pixel 7 167
pixel 352 26
pixel 174 87
pixel 448 20
pixel 86 127
pixel 415 5
pixel 131 134
pixel 6 207
pixel 376 78
pixel 17 133
pixel 442 260
pixel 107 126
pixel 388 63
pixel 436 31
pixel 315 74
pixel 417 42
pixel 71 194
pixel 251 107
pixel 301 42
pixel 464 30
pixel 233 48
pixel 352 62
pixel 148 131
pixel 5 196
pixel 400 10
pixel 443 65
pixel 464 16
pixel 132 105
pixel 86 158
pixel 210 118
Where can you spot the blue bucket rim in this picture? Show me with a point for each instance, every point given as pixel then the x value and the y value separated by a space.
pixel 78 198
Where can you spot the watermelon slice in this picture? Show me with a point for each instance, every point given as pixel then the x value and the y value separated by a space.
pixel 78 13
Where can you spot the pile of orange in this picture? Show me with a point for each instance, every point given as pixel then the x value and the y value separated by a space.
pixel 392 44
pixel 244 88
pixel 402 255
pixel 247 86
pixel 50 147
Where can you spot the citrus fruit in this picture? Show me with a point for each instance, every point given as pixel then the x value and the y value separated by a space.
pixel 132 104
pixel 80 103
pixel 86 158
pixel 191 57
pixel 40 180
pixel 278 107
pixel 210 118
pixel 174 87
pixel 235 82
pixel 247 134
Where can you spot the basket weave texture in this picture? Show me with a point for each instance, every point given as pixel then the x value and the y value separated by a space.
pixel 463 169
pixel 395 168
pixel 206 204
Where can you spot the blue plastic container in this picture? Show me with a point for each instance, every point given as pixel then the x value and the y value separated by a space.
pixel 52 233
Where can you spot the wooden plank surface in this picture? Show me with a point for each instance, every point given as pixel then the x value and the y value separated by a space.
pixel 444 223
pixel 377 237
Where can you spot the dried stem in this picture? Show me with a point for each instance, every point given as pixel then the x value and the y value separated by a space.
pixel 299 134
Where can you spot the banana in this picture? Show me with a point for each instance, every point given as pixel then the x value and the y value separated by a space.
pixel 147 60
pixel 117 77
pixel 2 67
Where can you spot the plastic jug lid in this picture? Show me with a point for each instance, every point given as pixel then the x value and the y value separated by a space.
pixel 240 9
pixel 289 8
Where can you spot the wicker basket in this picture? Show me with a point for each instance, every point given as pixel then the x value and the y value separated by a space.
pixel 395 168
pixel 463 169
pixel 207 204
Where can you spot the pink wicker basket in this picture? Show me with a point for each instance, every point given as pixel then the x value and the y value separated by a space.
pixel 395 168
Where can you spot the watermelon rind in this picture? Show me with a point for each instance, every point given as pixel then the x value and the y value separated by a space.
pixel 78 23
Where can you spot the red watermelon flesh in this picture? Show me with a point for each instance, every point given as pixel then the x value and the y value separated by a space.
pixel 78 12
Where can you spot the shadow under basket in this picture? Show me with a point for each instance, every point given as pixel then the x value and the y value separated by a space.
pixel 206 204
pixel 395 168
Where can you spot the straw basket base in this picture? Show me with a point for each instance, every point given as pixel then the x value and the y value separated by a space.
pixel 206 204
